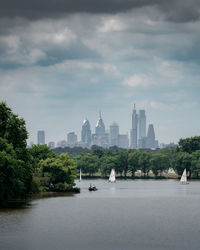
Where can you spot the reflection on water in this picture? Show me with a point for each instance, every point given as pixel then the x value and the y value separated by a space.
pixel 140 214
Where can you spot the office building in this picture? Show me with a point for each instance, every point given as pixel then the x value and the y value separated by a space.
pixel 41 137
pixel 114 133
pixel 133 133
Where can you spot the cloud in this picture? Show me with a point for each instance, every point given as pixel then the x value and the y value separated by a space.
pixel 136 81
pixel 173 10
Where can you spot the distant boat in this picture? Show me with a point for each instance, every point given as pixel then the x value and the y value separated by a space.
pixel 92 188
pixel 80 176
pixel 184 177
pixel 112 176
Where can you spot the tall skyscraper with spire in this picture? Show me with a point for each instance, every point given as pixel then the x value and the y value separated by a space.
pixel 133 133
pixel 86 135
pixel 142 124
pixel 100 127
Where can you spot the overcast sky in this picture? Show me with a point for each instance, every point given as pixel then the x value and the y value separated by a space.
pixel 62 61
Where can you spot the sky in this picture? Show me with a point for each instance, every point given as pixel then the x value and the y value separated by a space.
pixel 62 61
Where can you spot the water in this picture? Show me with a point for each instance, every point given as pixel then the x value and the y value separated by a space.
pixel 129 214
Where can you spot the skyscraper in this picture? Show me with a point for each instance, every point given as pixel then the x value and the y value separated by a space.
pixel 151 137
pixel 71 139
pixel 86 132
pixel 100 127
pixel 114 133
pixel 41 137
pixel 142 124
pixel 133 134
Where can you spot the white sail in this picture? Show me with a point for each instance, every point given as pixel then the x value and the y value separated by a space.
pixel 112 176
pixel 184 177
pixel 80 176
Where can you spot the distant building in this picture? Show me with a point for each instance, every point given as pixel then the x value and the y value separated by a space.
pixel 142 124
pixel 71 139
pixel 114 133
pixel 100 127
pixel 86 135
pixel 100 138
pixel 151 142
pixel 123 141
pixel 62 144
pixel 31 144
pixel 51 144
pixel 41 137
pixel 133 134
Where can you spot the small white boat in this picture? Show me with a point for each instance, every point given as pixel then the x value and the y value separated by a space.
pixel 183 179
pixel 112 176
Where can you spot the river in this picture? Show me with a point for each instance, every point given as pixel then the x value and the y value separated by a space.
pixel 130 214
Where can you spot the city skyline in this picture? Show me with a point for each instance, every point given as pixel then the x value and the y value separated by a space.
pixel 140 137
pixel 63 63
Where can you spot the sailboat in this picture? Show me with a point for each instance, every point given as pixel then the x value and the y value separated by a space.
pixel 184 177
pixel 80 176
pixel 112 176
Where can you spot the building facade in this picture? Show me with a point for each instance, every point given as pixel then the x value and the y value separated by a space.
pixel 134 130
pixel 41 137
pixel 86 135
pixel 114 133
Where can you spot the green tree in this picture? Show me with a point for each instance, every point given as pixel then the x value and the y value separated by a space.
pixel 15 166
pixel 159 163
pixel 195 165
pixel 144 162
pixel 58 173
pixel 107 162
pixel 182 161
pixel 88 163
pixel 122 162
pixel 133 161
pixel 190 145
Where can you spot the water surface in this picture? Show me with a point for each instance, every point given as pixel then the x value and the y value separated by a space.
pixel 132 214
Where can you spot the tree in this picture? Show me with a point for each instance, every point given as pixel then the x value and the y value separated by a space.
pixel 58 173
pixel 122 162
pixel 159 163
pixel 88 163
pixel 107 162
pixel 195 165
pixel 190 145
pixel 133 161
pixel 144 162
pixel 15 161
pixel 182 161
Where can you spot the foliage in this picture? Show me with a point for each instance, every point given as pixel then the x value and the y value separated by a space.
pixel 106 164
pixel 144 161
pixel 182 161
pixel 190 145
pixel 133 161
pixel 58 173
pixel 195 165
pixel 159 163
pixel 88 163
pixel 15 161
pixel 122 162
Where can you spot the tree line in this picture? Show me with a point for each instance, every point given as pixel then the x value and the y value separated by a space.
pixel 128 162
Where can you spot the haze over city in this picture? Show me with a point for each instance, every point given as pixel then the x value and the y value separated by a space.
pixel 63 63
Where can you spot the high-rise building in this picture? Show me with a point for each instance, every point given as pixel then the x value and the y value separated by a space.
pixel 151 142
pixel 100 138
pixel 142 124
pixel 114 133
pixel 133 133
pixel 41 137
pixel 86 135
pixel 123 141
pixel 100 127
pixel 71 139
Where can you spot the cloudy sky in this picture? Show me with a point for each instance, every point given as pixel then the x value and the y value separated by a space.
pixel 64 60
